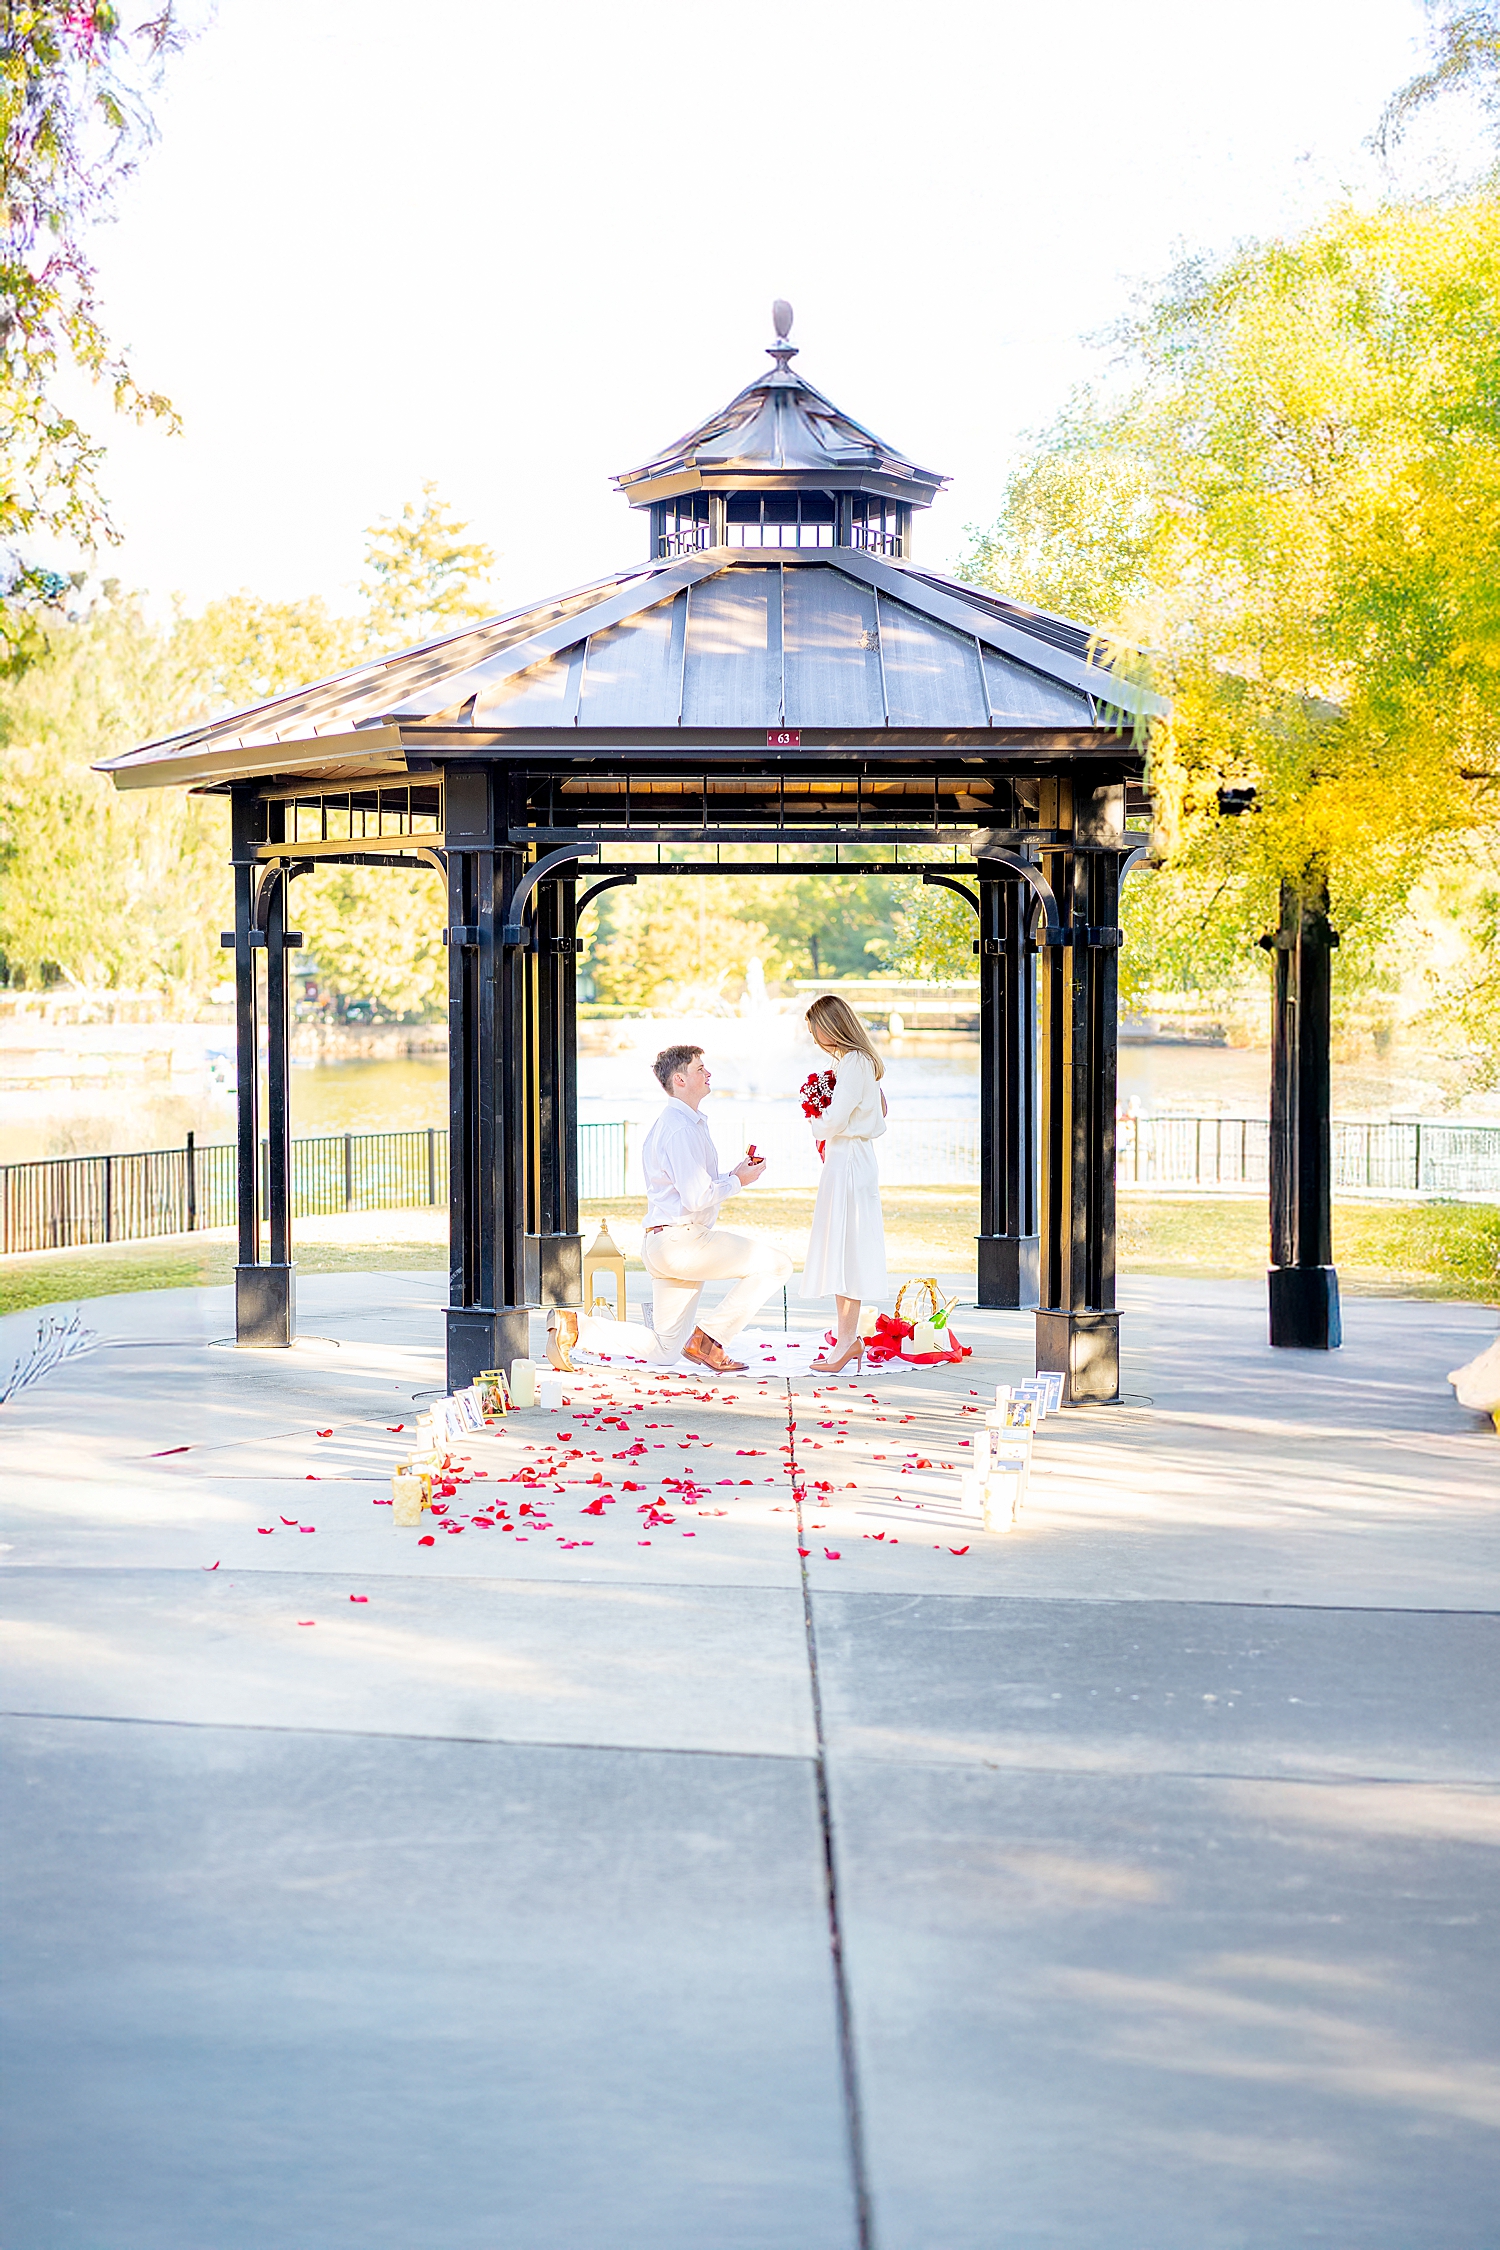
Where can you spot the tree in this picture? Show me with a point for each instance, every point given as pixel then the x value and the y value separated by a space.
pixel 1296 508
pixel 376 935
pixel 422 574
pixel 1465 43
pixel 130 889
pixel 822 926
pixel 74 121
pixel 673 944
pixel 98 887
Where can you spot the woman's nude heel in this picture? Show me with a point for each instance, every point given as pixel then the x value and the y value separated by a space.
pixel 832 1366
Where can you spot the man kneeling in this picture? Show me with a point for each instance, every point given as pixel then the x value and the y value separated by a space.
pixel 684 1249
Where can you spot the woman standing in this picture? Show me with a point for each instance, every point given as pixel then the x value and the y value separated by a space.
pixel 846 1250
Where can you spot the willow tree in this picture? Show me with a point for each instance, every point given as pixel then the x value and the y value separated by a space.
pixel 1292 503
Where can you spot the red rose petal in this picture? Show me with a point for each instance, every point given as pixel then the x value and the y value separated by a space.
pixel 322 1433
pixel 427 1540
pixel 307 1621
pixel 359 1597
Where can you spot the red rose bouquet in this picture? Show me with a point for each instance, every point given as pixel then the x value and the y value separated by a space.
pixel 817 1092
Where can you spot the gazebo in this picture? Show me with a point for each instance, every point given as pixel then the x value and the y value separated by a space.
pixel 779 673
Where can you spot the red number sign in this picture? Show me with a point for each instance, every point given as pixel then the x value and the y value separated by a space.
pixel 784 738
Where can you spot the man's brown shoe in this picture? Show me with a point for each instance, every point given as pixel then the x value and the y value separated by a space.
pixel 562 1335
pixel 707 1353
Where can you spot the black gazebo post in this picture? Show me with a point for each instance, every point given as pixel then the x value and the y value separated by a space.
pixel 489 1322
pixel 1008 1243
pixel 554 1247
pixel 246 814
pixel 278 1279
pixel 1077 1325
pixel 1303 1282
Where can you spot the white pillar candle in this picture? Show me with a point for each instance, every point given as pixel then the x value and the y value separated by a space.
pixel 406 1497
pixel 974 1483
pixel 523 1382
pixel 1002 1500
pixel 549 1390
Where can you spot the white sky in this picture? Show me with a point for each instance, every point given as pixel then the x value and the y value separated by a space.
pixel 519 248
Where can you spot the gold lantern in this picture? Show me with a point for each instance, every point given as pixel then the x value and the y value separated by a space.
pixel 604 1258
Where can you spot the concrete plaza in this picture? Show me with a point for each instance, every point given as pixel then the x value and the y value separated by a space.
pixel 477 1893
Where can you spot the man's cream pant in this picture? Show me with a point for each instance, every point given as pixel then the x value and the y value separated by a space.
pixel 681 1261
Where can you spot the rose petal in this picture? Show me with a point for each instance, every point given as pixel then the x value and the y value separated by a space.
pixel 359 1597
pixel 427 1540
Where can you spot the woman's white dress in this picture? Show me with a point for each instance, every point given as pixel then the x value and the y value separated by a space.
pixel 846 1250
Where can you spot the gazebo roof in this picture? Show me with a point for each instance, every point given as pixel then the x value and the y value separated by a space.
pixel 848 647
pixel 779 434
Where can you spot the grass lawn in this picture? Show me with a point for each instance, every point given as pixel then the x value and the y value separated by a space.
pixel 1400 1250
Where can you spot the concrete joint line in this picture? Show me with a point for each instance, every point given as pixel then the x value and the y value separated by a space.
pixel 863 2213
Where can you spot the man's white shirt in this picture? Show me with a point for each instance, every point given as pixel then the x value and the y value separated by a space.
pixel 681 1164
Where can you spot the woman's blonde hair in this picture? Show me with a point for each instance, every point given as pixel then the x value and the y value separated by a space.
pixel 839 1024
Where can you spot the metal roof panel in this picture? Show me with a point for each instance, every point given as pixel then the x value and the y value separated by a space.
pixel 732 675
pixel 932 674
pixel 633 676
pixel 1021 697
pixel 832 651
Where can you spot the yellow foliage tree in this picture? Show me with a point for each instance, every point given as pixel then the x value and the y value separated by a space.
pixel 1296 509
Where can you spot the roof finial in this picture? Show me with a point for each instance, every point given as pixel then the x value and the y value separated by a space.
pixel 781 351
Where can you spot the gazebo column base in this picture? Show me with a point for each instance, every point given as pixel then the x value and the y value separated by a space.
pixel 265 1306
pixel 1084 1348
pixel 1305 1308
pixel 554 1270
pixel 1009 1271
pixel 481 1337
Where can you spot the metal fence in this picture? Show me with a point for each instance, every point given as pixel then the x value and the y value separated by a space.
pixel 64 1201
pixel 61 1202
pixel 1399 1157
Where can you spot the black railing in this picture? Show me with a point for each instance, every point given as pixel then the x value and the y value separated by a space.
pixel 61 1202
pixel 1392 1157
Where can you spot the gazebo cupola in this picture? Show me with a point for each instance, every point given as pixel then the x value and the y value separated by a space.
pixel 780 466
